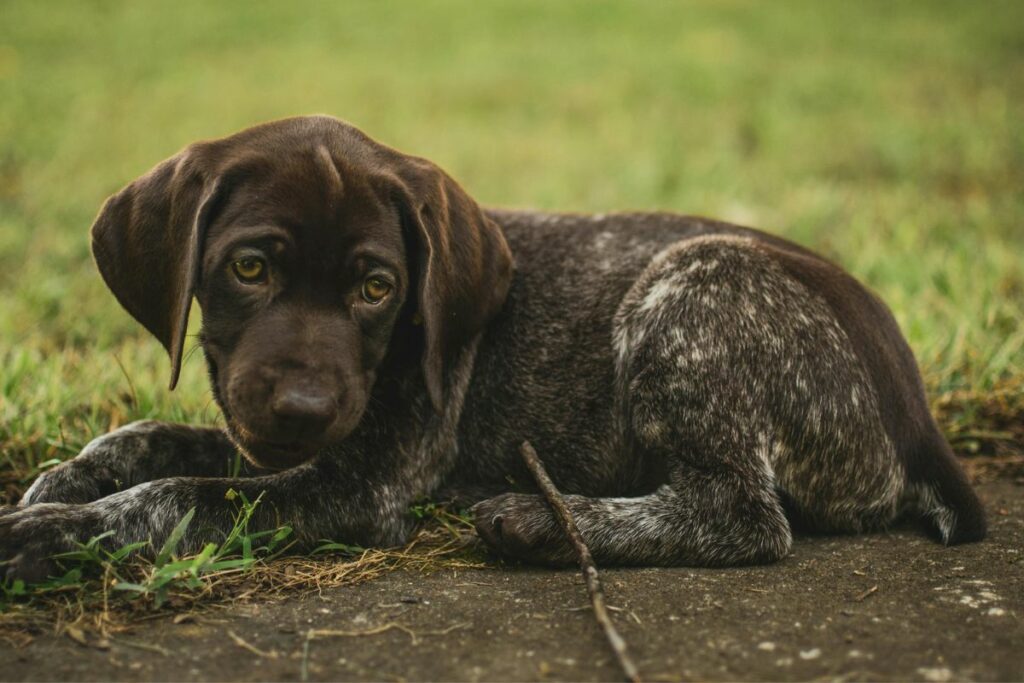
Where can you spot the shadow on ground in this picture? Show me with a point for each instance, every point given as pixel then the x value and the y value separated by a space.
pixel 884 606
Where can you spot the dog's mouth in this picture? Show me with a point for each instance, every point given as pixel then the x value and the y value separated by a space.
pixel 267 448
pixel 271 454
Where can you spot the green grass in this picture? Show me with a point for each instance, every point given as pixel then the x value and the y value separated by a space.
pixel 107 588
pixel 239 551
pixel 886 135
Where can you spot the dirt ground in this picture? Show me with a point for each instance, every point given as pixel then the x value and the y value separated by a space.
pixel 884 606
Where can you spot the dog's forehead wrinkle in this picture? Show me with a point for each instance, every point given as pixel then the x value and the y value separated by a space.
pixel 329 170
pixel 235 235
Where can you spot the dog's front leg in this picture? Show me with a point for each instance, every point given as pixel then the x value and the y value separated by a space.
pixel 136 453
pixel 318 501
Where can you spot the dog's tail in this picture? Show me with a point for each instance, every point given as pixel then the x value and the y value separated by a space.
pixel 941 493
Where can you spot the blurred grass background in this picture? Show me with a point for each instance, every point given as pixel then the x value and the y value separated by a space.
pixel 886 135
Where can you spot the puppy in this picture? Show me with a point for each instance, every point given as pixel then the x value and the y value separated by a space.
pixel 374 337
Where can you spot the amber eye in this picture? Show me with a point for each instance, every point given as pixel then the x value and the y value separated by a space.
pixel 375 289
pixel 249 269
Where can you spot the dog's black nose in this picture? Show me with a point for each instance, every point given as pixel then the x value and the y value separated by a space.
pixel 303 413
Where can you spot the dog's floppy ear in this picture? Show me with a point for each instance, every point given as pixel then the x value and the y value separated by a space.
pixel 146 242
pixel 464 266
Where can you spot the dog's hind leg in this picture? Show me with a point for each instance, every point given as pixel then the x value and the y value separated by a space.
pixel 739 381
pixel 705 517
pixel 136 453
pixel 684 406
pixel 718 508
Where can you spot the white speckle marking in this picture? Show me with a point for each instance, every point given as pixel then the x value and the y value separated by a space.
pixel 657 293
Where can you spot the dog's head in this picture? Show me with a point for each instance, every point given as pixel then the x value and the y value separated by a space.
pixel 316 255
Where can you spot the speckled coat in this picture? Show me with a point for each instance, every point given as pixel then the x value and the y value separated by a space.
pixel 698 388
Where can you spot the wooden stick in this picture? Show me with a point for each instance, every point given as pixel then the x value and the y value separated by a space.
pixel 587 565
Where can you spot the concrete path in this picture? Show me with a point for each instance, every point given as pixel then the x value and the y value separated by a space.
pixel 885 606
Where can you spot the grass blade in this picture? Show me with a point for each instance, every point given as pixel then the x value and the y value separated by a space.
pixel 171 544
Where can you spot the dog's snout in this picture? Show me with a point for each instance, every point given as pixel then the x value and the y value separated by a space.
pixel 303 412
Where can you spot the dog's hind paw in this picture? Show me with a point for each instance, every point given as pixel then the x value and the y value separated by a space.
pixel 521 526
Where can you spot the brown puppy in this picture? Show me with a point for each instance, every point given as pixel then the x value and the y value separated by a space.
pixel 696 386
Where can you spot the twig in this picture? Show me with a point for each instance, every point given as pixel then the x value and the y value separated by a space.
pixel 148 647
pixel 862 596
pixel 413 635
pixel 249 647
pixel 587 565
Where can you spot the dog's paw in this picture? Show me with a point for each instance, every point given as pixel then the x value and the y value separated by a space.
pixel 522 527
pixel 30 537
pixel 71 482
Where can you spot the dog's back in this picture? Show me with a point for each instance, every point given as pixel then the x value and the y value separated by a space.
pixel 547 371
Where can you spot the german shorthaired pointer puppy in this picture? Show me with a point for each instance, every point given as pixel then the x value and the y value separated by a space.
pixel 374 337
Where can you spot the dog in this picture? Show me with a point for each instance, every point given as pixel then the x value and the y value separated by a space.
pixel 374 337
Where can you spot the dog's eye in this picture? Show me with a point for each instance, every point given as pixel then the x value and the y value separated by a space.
pixel 249 269
pixel 375 289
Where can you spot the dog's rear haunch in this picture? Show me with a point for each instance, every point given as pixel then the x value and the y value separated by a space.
pixel 374 337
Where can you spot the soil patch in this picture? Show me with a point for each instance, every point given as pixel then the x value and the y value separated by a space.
pixel 883 606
